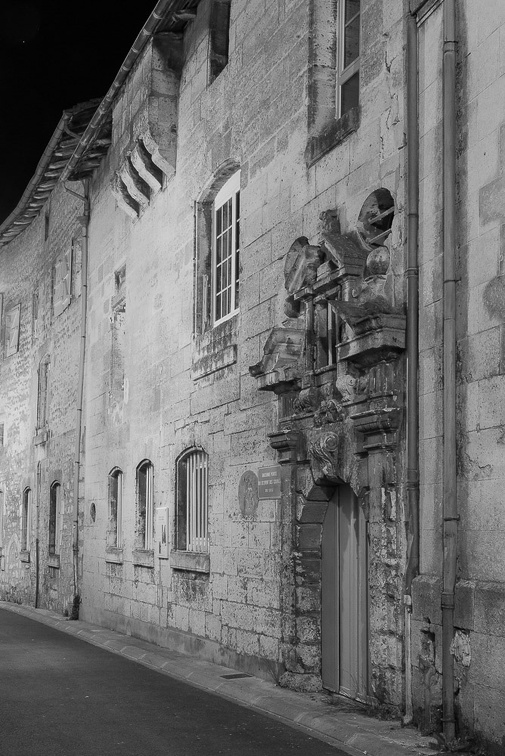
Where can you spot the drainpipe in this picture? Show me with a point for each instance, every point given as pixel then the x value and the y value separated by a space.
pixel 37 545
pixel 80 390
pixel 450 505
pixel 412 275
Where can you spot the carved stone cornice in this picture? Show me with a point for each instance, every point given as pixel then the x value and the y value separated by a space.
pixel 377 337
pixel 378 427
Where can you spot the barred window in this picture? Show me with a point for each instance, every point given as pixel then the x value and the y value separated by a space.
pixel 145 506
pixel 192 501
pixel 115 524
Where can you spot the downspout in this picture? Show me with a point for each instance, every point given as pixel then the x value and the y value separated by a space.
pixel 80 393
pixel 450 505
pixel 412 275
pixel 37 544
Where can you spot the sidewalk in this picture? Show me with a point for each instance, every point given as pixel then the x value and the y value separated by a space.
pixel 341 724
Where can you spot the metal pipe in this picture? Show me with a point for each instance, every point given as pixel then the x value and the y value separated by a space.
pixel 450 504
pixel 412 275
pixel 91 132
pixel 80 387
pixel 37 544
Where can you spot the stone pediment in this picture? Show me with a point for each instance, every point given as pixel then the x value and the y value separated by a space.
pixel 279 368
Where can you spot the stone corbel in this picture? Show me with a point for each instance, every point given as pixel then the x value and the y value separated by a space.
pixel 287 445
pixel 129 179
pixel 378 427
pixel 140 162
pixel 279 369
pixel 123 198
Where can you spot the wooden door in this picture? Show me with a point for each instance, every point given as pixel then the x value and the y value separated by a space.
pixel 345 597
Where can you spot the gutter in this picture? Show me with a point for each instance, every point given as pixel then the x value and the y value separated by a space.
pixel 450 504
pixel 412 275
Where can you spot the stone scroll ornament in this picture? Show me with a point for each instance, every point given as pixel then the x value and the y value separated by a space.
pixel 323 452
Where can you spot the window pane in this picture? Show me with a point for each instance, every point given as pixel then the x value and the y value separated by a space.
pixel 350 94
pixel 351 42
pixel 351 8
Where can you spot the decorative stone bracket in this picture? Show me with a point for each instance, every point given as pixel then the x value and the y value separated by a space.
pixel 279 369
pixel 148 127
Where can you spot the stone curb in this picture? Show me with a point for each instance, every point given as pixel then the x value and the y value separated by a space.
pixel 351 731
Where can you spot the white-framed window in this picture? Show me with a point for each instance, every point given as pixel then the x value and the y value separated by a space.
pixel 115 526
pixel 348 45
pixel 54 518
pixel 226 250
pixel 192 501
pixel 26 509
pixel 145 506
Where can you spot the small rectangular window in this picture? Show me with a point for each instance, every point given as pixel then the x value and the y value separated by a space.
pixel 54 519
pixel 226 250
pixel 115 529
pixel 62 282
pixel 12 322
pixel 25 519
pixel 219 37
pixel 348 45
pixel 145 506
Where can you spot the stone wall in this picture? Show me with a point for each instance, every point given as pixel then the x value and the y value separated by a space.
pixel 480 593
pixel 40 450
pixel 186 385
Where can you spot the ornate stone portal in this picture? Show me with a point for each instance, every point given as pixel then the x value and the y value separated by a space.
pixel 337 366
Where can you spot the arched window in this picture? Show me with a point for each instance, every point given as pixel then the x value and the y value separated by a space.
pixel 145 506
pixel 54 518
pixel 115 523
pixel 192 501
pixel 25 519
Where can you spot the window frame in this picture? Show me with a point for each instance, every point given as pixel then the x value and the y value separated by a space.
pixel 345 73
pixel 54 524
pixel 229 192
pixel 115 522
pixel 144 534
pixel 193 502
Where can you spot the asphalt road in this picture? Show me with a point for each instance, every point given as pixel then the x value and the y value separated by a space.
pixel 60 696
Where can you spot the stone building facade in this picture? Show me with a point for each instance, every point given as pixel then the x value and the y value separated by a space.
pixel 242 210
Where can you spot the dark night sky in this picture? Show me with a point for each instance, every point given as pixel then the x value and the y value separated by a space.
pixel 53 55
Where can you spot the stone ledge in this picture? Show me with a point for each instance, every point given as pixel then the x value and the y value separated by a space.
pixel 212 363
pixel 143 557
pixel 24 555
pixel 114 555
pixel 335 133
pixel 190 561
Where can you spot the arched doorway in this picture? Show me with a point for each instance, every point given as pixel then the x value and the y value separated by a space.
pixel 344 635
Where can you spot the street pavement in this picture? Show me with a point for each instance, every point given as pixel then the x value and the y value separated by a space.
pixel 119 696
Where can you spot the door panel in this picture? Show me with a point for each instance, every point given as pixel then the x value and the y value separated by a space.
pixel 344 597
